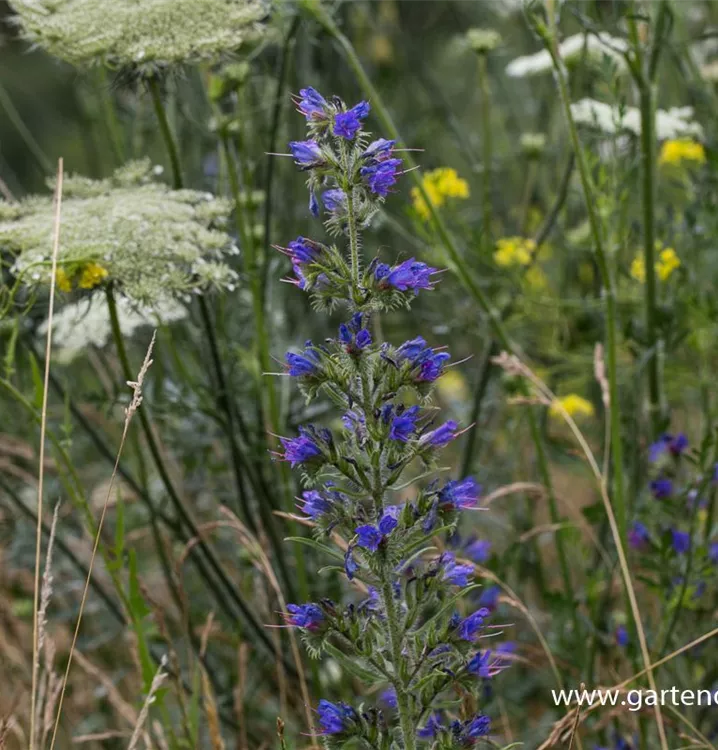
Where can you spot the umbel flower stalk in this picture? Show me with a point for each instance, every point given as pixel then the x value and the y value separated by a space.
pixel 405 633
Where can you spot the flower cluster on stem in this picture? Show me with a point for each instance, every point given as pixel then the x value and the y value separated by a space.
pixel 405 633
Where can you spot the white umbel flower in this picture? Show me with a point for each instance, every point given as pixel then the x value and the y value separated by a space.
pixel 596 47
pixel 676 122
pixel 84 324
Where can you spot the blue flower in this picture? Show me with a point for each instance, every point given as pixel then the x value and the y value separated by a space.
pixel 306 616
pixel 489 597
pixel 388 698
pixel 313 204
pixel 430 364
pixel 638 536
pixel 334 200
pixel 411 274
pixel 675 444
pixel 441 436
pixel 303 250
pixel 403 424
pixel 306 153
pixel 431 728
pixel 470 626
pixel 459 494
pixel 305 364
pixel 351 567
pixel 301 449
pixel 471 730
pixel 621 636
pixel 379 150
pixel 713 552
pixel 347 124
pixel 681 541
pixel 335 718
pixel 353 334
pixel 389 519
pixel 478 550
pixel 312 104
pixel 661 488
pixel 381 176
pixel 369 537
pixel 488 664
pixel 453 572
pixel 314 504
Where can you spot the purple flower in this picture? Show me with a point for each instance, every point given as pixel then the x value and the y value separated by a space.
pixel 470 626
pixel 430 364
pixel 306 153
pixel 411 274
pixel 312 104
pixel 306 616
pixel 389 519
pixel 441 436
pixel 432 726
pixel 303 250
pixel 661 488
pixel 334 200
pixel 351 566
pixel 490 597
pixel 347 124
pixel 314 504
pixel 478 550
pixel 335 718
pixel 301 449
pixel 353 334
pixel 403 424
pixel 388 698
pixel 459 494
pixel 713 552
pixel 622 636
pixel 369 537
pixel 313 204
pixel 379 150
pixel 638 536
pixel 453 572
pixel 381 176
pixel 681 541
pixel 305 364
pixel 488 664
pixel 472 730
pixel 675 444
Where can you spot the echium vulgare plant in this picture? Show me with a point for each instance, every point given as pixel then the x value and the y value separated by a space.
pixel 406 636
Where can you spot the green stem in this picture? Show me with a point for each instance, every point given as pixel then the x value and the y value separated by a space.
pixel 393 627
pixel 16 119
pixel 609 293
pixel 111 120
pixel 487 151
pixel 166 130
pixel 648 182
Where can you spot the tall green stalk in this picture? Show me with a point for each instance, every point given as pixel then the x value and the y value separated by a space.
pixel 486 211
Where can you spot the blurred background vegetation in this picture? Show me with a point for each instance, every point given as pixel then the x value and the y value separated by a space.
pixel 210 409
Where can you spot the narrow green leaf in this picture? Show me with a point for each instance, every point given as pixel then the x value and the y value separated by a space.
pixel 449 604
pixel 314 544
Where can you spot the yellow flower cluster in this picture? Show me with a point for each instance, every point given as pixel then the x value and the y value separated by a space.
pixel 677 151
pixel 514 251
pixel 573 404
pixel 90 276
pixel 668 261
pixel 439 184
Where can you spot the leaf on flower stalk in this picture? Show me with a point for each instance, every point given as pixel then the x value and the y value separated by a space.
pixel 447 606
pixel 364 672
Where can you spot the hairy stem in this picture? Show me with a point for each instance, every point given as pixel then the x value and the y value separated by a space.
pixel 487 151
pixel 166 130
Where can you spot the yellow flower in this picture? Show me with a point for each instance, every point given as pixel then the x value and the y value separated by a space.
pixel 674 152
pixel 92 275
pixel 666 264
pixel 439 184
pixel 514 251
pixel 62 280
pixel 536 279
pixel 574 405
pixel 638 269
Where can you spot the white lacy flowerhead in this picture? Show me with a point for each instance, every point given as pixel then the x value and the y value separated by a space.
pixel 676 122
pixel 144 32
pixel 594 46
pixel 84 324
